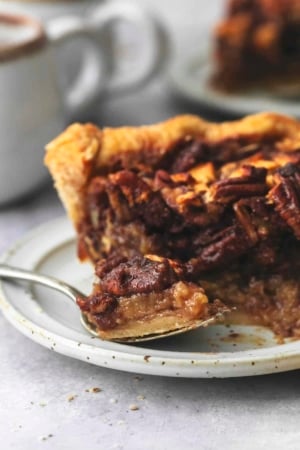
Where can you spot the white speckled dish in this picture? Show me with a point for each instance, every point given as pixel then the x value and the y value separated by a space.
pixel 49 319
pixel 189 79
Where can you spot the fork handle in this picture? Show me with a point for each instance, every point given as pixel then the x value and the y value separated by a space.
pixel 9 272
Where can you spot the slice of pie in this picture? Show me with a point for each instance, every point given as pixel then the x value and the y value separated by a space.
pixel 178 214
pixel 257 44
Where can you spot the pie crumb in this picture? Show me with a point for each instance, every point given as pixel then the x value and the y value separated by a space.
pixel 133 407
pixel 121 422
pixel 138 378
pixel 94 390
pixel 44 438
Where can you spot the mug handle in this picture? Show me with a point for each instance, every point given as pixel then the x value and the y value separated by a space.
pixel 94 71
pixel 156 49
pixel 97 73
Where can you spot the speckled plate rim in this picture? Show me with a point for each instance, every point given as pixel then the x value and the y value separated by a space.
pixel 188 79
pixel 128 357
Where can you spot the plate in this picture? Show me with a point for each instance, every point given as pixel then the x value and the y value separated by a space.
pixel 189 78
pixel 47 317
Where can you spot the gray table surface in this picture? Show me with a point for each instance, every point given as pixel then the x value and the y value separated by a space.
pixel 36 384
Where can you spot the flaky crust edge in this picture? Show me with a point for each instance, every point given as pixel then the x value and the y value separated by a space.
pixel 82 148
pixel 70 158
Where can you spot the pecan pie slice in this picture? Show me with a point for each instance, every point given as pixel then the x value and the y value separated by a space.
pixel 179 214
pixel 257 44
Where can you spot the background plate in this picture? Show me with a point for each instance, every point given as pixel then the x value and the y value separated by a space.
pixel 189 79
pixel 48 318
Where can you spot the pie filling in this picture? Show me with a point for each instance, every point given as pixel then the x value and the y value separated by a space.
pixel 143 296
pixel 258 43
pixel 205 226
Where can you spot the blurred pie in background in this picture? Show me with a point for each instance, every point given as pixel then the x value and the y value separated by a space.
pixel 257 44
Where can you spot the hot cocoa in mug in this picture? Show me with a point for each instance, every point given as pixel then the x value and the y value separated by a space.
pixel 48 9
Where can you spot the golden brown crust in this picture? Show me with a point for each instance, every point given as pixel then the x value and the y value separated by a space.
pixel 161 137
pixel 82 149
pixel 70 158
pixel 160 325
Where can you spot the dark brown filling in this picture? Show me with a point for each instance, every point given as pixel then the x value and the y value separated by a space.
pixel 246 224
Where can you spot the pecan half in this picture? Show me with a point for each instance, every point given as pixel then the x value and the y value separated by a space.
pixel 258 218
pixel 286 197
pixel 252 182
pixel 228 244
pixel 143 202
pixel 139 275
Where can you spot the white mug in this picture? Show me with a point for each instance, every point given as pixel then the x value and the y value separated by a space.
pixel 33 109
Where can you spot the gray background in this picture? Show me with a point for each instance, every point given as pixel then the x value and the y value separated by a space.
pixel 238 413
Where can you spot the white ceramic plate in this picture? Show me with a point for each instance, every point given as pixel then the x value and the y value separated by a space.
pixel 49 319
pixel 189 78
